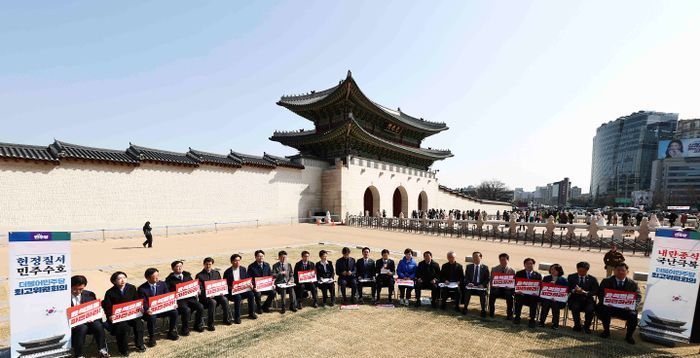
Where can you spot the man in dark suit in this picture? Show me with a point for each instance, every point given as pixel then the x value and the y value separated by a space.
pixel 122 292
pixel 284 276
pixel 501 292
pixel 427 277
pixel 154 287
pixel 346 270
pixel 207 274
pixel 325 275
pixel 583 288
pixel 302 288
pixel 476 279
pixel 366 273
pixel 451 273
pixel 234 273
pixel 526 300
pixel 385 268
pixel 185 306
pixel 260 268
pixel 618 281
pixel 80 295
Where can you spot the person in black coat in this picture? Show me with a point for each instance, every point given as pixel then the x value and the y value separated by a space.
pixel 583 288
pixel 303 288
pixel 451 272
pixel 476 280
pixel 207 274
pixel 427 277
pixel 80 295
pixel 260 268
pixel 346 269
pixel 185 306
pixel 147 229
pixel 122 292
pixel 556 276
pixel 385 269
pixel 618 281
pixel 326 276
pixel 234 273
pixel 366 271
pixel 154 287
pixel 526 300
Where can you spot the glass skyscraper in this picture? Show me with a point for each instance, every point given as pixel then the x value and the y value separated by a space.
pixel 623 151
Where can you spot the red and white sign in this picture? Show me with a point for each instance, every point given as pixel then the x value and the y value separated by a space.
pixel 127 311
pixel 404 282
pixel 264 283
pixel 527 287
pixel 503 280
pixel 554 292
pixel 84 313
pixel 162 303
pixel 187 289
pixel 213 288
pixel 241 286
pixel 307 276
pixel 620 299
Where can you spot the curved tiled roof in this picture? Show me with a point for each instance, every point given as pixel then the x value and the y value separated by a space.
pixel 282 162
pixel 216 159
pixel 26 152
pixel 72 151
pixel 251 160
pixel 334 92
pixel 160 156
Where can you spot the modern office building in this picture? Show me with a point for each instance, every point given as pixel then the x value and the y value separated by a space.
pixel 623 152
pixel 676 182
pixel 688 128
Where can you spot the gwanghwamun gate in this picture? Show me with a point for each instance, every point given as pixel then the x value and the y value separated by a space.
pixel 360 158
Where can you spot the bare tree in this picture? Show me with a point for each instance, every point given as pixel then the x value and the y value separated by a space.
pixel 493 190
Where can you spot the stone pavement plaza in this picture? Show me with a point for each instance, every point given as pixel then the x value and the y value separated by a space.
pixel 98 259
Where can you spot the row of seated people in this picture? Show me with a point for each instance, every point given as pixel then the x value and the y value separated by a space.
pixel 449 281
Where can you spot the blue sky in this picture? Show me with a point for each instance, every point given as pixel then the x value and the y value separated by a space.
pixel 522 84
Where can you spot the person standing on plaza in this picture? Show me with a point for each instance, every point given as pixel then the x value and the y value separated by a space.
pixel 147 233
pixel 611 259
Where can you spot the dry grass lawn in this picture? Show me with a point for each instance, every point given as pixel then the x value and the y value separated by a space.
pixel 369 331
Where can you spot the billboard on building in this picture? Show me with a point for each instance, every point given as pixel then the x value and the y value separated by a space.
pixel 679 148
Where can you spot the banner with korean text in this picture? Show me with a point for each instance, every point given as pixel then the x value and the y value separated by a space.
pixel 39 264
pixel 672 285
pixel 187 289
pixel 552 292
pixel 503 280
pixel 264 283
pixel 241 286
pixel 527 287
pixel 127 311
pixel 84 313
pixel 307 276
pixel 213 288
pixel 162 303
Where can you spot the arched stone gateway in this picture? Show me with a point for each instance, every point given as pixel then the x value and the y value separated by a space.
pixel 371 201
pixel 423 201
pixel 400 201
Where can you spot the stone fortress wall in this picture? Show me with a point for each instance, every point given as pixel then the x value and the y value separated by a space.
pixel 79 195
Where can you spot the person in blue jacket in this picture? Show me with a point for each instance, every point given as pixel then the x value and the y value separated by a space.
pixel 556 276
pixel 406 271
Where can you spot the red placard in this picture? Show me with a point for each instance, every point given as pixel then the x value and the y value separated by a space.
pixel 404 282
pixel 127 311
pixel 620 299
pixel 83 313
pixel 187 289
pixel 527 287
pixel 264 283
pixel 307 276
pixel 213 288
pixel 503 280
pixel 162 303
pixel 554 292
pixel 241 286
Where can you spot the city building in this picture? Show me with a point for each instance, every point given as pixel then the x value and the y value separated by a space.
pixel 623 152
pixel 575 192
pixel 688 128
pixel 360 158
